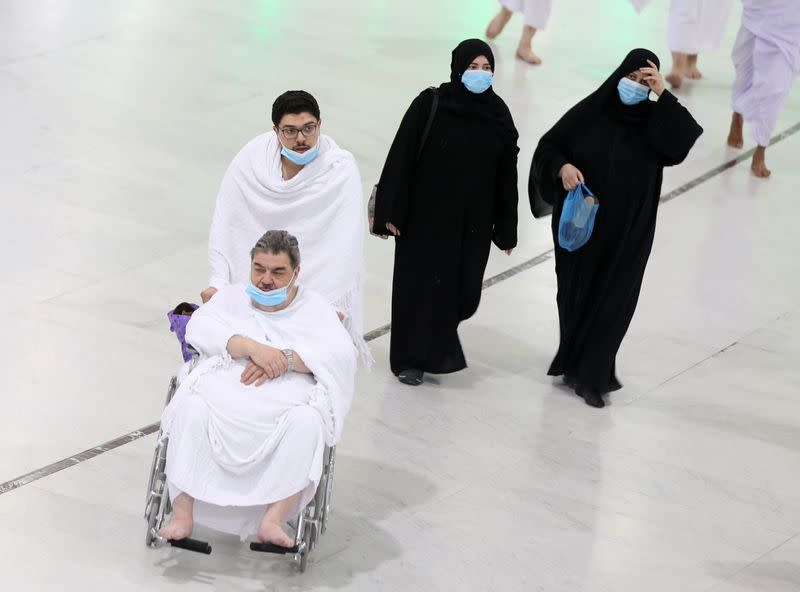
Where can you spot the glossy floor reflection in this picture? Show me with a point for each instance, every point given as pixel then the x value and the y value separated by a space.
pixel 119 120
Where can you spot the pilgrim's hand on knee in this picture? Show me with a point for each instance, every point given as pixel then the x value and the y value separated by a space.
pixel 571 177
pixel 206 294
pixel 392 228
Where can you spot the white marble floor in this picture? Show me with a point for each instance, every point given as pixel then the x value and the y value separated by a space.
pixel 118 120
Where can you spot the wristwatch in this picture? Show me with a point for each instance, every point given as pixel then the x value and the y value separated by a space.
pixel 289 358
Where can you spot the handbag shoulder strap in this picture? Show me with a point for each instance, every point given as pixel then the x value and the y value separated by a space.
pixel 429 123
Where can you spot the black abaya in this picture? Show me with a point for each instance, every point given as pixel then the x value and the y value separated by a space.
pixel 621 151
pixel 449 206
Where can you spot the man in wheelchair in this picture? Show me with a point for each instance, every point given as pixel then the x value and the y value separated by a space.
pixel 248 426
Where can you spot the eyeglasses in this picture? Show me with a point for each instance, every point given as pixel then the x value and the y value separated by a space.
pixel 308 130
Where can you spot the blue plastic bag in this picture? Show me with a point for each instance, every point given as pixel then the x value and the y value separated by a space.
pixel 577 218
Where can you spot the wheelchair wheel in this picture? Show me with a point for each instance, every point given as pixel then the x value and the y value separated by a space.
pixel 156 506
pixel 151 514
pixel 155 511
pixel 327 492
pixel 307 540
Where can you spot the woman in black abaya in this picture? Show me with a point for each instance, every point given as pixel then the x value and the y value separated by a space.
pixel 617 141
pixel 445 207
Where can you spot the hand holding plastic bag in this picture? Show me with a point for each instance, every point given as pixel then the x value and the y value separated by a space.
pixel 577 218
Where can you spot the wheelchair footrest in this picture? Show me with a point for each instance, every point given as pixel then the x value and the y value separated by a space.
pixel 270 548
pixel 192 545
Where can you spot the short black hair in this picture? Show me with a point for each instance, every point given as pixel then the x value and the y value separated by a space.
pixel 277 242
pixel 294 102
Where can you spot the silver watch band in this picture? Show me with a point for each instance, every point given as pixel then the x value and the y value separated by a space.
pixel 289 358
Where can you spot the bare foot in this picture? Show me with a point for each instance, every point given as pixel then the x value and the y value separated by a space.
pixel 691 67
pixel 181 523
pixel 694 73
pixel 271 532
pixel 675 78
pixel 735 136
pixel 759 165
pixel 498 23
pixel 526 54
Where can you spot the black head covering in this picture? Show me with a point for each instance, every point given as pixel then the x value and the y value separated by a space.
pixel 543 188
pixel 455 97
pixel 606 98
pixel 465 53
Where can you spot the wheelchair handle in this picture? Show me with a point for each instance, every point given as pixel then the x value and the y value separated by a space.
pixel 192 545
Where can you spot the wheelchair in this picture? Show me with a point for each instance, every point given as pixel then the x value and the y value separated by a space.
pixel 309 525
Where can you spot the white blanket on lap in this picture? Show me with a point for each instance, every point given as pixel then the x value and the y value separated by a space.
pixel 321 206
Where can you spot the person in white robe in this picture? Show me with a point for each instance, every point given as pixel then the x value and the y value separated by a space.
pixel 248 425
pixel 695 26
pixel 766 56
pixel 536 14
pixel 295 178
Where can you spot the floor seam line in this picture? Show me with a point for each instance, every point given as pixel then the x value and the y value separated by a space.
pixel 752 563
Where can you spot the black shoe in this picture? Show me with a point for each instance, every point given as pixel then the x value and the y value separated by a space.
pixel 412 377
pixel 591 397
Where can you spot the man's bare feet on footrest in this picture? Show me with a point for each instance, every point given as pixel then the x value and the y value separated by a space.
pixel 270 532
pixel 181 523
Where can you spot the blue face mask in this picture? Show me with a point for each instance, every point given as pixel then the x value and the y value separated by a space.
pixel 272 298
pixel 476 81
pixel 631 93
pixel 300 158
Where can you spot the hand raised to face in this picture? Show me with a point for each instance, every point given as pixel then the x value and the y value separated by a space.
pixel 652 78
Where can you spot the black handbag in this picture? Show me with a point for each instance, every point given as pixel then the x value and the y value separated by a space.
pixel 539 207
pixel 425 132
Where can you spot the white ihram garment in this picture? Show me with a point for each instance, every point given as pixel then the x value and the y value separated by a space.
pixel 766 56
pixel 237 448
pixel 536 13
pixel 696 26
pixel 322 206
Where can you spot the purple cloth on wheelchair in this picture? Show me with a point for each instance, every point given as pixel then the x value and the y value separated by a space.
pixel 177 324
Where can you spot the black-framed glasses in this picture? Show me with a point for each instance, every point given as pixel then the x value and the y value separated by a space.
pixel 308 130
